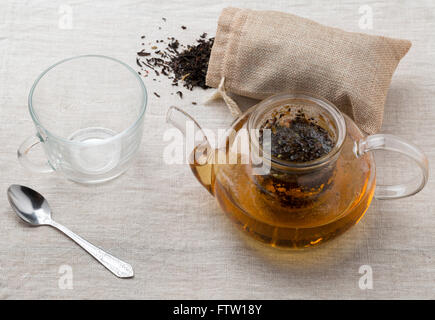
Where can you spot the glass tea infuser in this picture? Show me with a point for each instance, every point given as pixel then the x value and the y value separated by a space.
pixel 288 203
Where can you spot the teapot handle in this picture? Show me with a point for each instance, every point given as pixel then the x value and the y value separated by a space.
pixel 393 143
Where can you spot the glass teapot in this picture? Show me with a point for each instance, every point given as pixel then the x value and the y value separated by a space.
pixel 295 204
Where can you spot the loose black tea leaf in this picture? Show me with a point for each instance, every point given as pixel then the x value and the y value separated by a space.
pixel 138 62
pixel 156 94
pixel 143 53
pixel 180 94
pixel 183 27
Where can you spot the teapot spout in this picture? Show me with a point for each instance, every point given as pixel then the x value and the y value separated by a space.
pixel 197 146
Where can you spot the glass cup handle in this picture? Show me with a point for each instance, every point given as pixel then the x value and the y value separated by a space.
pixel 23 151
pixel 396 144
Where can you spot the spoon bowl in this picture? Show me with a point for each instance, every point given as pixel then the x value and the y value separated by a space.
pixel 29 205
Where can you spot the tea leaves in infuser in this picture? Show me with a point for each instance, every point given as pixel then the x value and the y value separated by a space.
pixel 299 139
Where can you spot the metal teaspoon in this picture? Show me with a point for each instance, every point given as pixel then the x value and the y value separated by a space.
pixel 33 208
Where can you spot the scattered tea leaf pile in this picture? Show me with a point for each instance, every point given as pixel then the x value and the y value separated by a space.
pixel 186 64
pixel 190 65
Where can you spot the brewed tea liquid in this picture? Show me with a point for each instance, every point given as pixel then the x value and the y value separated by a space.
pixel 278 224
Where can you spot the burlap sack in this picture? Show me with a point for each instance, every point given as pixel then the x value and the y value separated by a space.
pixel 260 53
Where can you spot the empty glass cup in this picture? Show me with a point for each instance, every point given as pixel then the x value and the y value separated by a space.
pixel 88 112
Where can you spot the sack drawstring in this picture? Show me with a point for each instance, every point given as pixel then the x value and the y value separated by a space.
pixel 231 104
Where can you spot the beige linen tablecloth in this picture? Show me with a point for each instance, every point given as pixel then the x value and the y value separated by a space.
pixel 156 216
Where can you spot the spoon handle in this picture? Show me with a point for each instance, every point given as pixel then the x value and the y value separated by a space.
pixel 118 267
